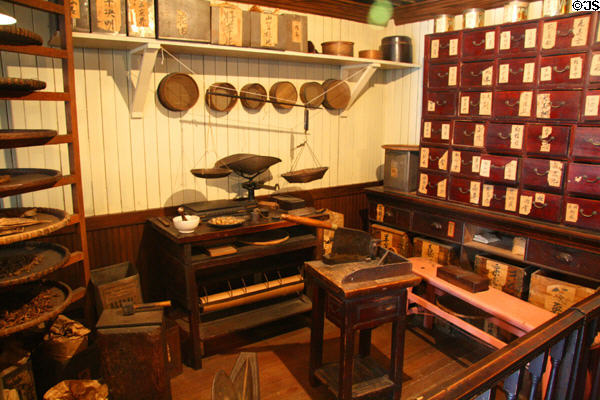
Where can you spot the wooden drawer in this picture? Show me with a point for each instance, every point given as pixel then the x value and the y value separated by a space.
pixel 439 227
pixel 377 310
pixel 442 48
pixel 591 109
pixel 514 105
pixel 548 140
pixel 567 259
pixel 469 134
pixel 586 144
pixel 561 104
pixel 335 310
pixel 477 75
pixel 475 104
pixel 499 169
pixel 582 213
pixel 564 34
pixel 479 43
pixel 436 132
pixel 505 138
pixel 518 39
pixel 433 185
pixel 434 159
pixel 584 179
pixel 440 253
pixel 516 73
pixel 499 198
pixel 439 104
pixel 389 215
pixel 397 241
pixel 443 76
pixel 546 175
pixel 509 278
pixel 539 205
pixel 557 292
pixel 466 191
pixel 465 163
pixel 562 70
pixel 594 68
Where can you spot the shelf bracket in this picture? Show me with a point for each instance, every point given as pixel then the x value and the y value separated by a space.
pixel 140 91
pixel 358 81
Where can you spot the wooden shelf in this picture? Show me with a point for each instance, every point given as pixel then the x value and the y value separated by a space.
pixel 36 50
pixel 498 248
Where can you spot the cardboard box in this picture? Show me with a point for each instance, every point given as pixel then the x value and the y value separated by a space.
pixel 509 278
pixel 108 16
pixel 392 239
pixel 440 253
pixel 140 18
pixel 229 26
pixel 556 292
pixel 116 284
pixel 183 20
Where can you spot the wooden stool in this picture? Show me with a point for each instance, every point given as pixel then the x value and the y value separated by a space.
pixel 358 305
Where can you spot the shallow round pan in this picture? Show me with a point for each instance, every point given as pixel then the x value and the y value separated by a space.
pixel 178 92
pixel 247 163
pixel 305 175
pixel 211 173
pixel 18 36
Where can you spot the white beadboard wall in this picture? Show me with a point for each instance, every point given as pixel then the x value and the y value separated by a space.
pixel 137 164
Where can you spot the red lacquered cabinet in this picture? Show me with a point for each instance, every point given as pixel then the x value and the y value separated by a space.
pixel 433 185
pixel 514 105
pixel 439 104
pixel 475 104
pixel 477 74
pixel 479 44
pixel 540 205
pixel 562 70
pixel 499 169
pixel 547 140
pixel 584 179
pixel 469 134
pixel 505 138
pixel 542 174
pixel 434 158
pixel 560 104
pixel 465 190
pixel 443 76
pixel 518 39
pixel 516 73
pixel 582 213
pixel 436 132
pixel 465 163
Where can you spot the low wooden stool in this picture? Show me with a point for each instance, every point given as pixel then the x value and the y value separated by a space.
pixel 360 305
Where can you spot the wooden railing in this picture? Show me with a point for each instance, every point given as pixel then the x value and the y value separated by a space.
pixel 564 341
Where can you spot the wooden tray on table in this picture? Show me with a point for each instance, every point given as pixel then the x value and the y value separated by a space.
pixel 29 261
pixel 50 220
pixel 21 180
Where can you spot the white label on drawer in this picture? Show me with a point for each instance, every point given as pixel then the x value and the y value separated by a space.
pixel 544 105
pixel 464 105
pixel 423 181
pixel 455 166
pixel 559 298
pixel 485 103
pixel 424 157
pixel 510 171
pixel 525 204
pixel 443 162
pixel 452 76
pixel 484 169
pixel 546 131
pixel 453 48
pixel 530 36
pixel 479 135
pixel 516 137
pixel 490 39
pixel 528 70
pixel 474 192
pixel 549 35
pixel 595 67
pixel 576 68
pixel 393 169
pixel 572 213
pixel 545 146
pixel 430 106
pixel 486 76
pixel 476 164
pixel 380 212
pixel 441 188
pixel 451 229
pixel 435 48
pixel 445 131
pixel 591 105
pixel 525 104
pixel 487 195
pixel 540 198
pixel 555 173
pixel 505 40
pixel 510 204
pixel 497 273
pixel 580 31
pixel 427 129
pixel 503 73
pixel 546 74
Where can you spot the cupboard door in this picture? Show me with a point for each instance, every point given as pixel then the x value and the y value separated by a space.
pixel 505 138
pixel 465 163
pixel 479 43
pixel 565 34
pixel 586 144
pixel 467 191
pixel 439 104
pixel 560 104
pixel 443 47
pixel 433 185
pixel 469 134
pixel 499 198
pixel 584 179
pixel 582 213
pixel 516 73
pixel 562 70
pixel 540 205
pixel 499 169
pixel 477 75
pixel 436 132
pixel 542 174
pixel 518 39
pixel 514 105
pixel 475 104
pixel 434 159
pixel 549 140
pixel 443 76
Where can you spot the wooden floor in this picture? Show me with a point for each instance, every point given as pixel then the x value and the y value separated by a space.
pixel 430 357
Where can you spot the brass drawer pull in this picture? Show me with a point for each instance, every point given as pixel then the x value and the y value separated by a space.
pixel 464 162
pixel 463 191
pixel 539 205
pixel 468 133
pixel 436 131
pixel 564 257
pixel 497 166
pixel 515 72
pixel 503 197
pixel 587 215
pixel 389 213
pixel 431 158
pixel 588 180
pixel 538 173
pixel 477 44
pixel 436 225
pixel 501 136
pixel 442 74
pixel 548 139
pixel 564 34
pixel 558 105
pixel 444 46
pixel 516 103
pixel 560 71
pixel 474 104
pixel 431 186
pixel 441 103
pixel 517 39
pixel 593 141
pixel 475 73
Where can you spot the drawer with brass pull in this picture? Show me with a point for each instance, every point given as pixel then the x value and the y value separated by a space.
pixel 475 104
pixel 469 134
pixel 443 76
pixel 499 198
pixel 584 179
pixel 591 106
pixel 477 75
pixel 547 140
pixel 567 259
pixel 439 227
pixel 540 205
pixel 583 213
pixel 518 39
pixel 565 33
pixel 586 144
pixel 514 105
pixel 562 70
pixel 500 169
pixel 436 132
pixel 390 215
pixel 465 163
pixel 542 174
pixel 560 104
pixel 505 138
pixel 439 104
pixel 433 185
pixel 443 47
pixel 516 73
pixel 467 191
pixel 479 44
pixel 434 158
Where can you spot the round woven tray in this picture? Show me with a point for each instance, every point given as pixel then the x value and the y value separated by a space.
pixel 18 36
pixel 211 173
pixel 17 137
pixel 305 175
pixel 51 256
pixel 221 103
pixel 54 220
pixel 27 179
pixel 23 85
pixel 178 92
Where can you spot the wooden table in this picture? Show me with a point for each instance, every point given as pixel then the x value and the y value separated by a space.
pixel 357 306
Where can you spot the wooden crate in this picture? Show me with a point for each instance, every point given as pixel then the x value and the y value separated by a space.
pixel 267 30
pixel 556 292
pixel 295 36
pixel 115 285
pixel 440 253
pixel 183 20
pixel 506 277
pixel 229 26
pixel 140 18
pixel 108 16
pixel 393 239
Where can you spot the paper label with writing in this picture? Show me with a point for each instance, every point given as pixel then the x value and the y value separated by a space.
pixel 430 106
pixel 443 162
pixel 525 104
pixel 394 169
pixel 530 36
pixel 546 131
pixel 230 26
pixel 485 103
pixel 430 250
pixel 555 173
pixel 487 195
pixel 510 171
pixel 595 64
pixel 380 212
pixel 545 146
pixel 441 188
pixel 510 204
pixel 182 22
pixel 546 73
pixel 516 137
pixel 486 76
pixel 576 68
pixel 455 165
pixel 484 168
pixel 445 131
pixel 525 204
pixel 559 298
pixel 435 48
pixel 544 105
pixel 138 13
pixel 549 35
pixel 476 164
pixel 580 31
pixel 268 29
pixel 505 40
pixel 474 192
pixel 497 273
pixel 540 198
pixel 464 105
pixel 479 135
pixel 427 129
pixel 503 73
pixel 591 105
pixel 528 71
pixel 108 14
pixel 452 76
pixel 297 32
pixel 572 213
pixel 453 47
pixel 424 157
pixel 451 228
pixel 490 38
pixel 75 10
pixel 423 181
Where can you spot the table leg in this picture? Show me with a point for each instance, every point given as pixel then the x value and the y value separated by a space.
pixel 316 333
pixel 346 358
pixel 364 342
pixel 194 316
pixel 397 355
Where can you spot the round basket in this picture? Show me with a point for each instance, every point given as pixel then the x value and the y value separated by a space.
pixel 19 36
pixel 253 96
pixel 312 94
pixel 337 94
pixel 221 103
pixel 178 92
pixel 283 95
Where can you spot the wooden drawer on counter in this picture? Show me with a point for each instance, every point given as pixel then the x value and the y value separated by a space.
pixel 465 163
pixel 433 185
pixel 538 205
pixel 469 134
pixel 475 104
pixel 439 104
pixel 584 179
pixel 443 48
pixel 368 311
pixel 565 33
pixel 562 70
pixel 467 191
pixel 499 198
pixel 479 43
pixel 499 169
pixel 505 138
pixel 439 227
pixel 560 104
pixel 443 76
pixel 477 75
pixel 516 73
pixel 389 215
pixel 567 259
pixel 518 39
pixel 514 105
pixel 434 159
pixel 582 213
pixel 436 132
pixel 547 140
pixel 546 175
pixel 586 144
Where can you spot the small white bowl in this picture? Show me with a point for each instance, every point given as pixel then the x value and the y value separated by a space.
pixel 187 226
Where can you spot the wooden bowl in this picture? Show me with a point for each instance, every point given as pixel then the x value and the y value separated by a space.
pixel 338 48
pixel 371 54
pixel 337 94
pixel 253 96
pixel 312 94
pixel 178 92
pixel 283 95
pixel 221 103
